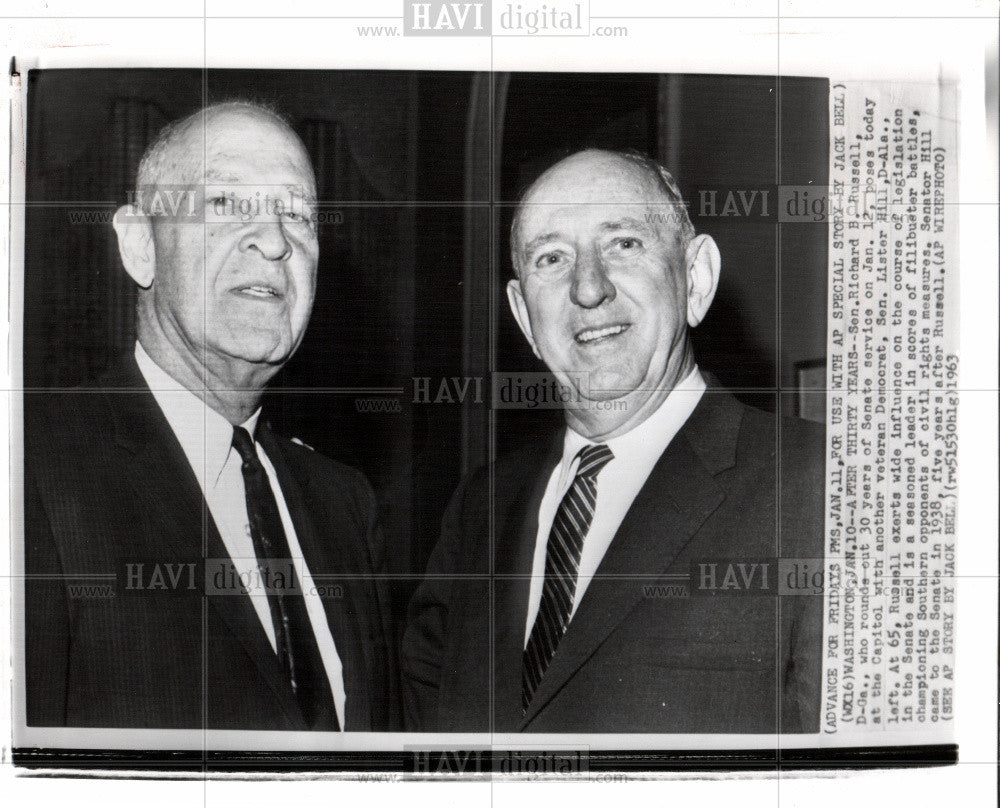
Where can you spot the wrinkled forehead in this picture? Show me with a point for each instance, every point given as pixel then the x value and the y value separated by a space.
pixel 587 193
pixel 246 147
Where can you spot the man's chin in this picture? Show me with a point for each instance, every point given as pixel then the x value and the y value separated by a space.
pixel 261 349
pixel 607 385
pixel 600 396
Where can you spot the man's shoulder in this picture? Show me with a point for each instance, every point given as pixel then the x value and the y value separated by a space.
pixel 524 462
pixel 788 456
pixel 70 421
pixel 509 480
pixel 732 437
pixel 320 470
pixel 337 496
pixel 794 442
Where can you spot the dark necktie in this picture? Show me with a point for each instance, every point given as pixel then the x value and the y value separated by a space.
pixel 562 558
pixel 296 644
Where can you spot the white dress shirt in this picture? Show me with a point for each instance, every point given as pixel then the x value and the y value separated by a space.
pixel 635 454
pixel 206 438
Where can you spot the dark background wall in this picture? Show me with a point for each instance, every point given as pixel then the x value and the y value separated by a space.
pixel 415 164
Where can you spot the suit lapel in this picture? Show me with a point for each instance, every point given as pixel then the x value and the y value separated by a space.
pixel 181 525
pixel 518 497
pixel 679 495
pixel 327 556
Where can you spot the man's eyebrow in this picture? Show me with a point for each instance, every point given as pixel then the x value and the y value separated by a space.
pixel 214 177
pixel 541 239
pixel 624 223
pixel 306 196
pixel 219 177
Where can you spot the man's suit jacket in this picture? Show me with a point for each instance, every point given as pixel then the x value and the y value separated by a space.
pixel 635 657
pixel 107 485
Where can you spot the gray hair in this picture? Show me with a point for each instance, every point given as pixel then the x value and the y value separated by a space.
pixel 164 157
pixel 662 178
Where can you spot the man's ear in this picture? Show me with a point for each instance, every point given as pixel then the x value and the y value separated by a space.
pixel 520 309
pixel 135 243
pixel 703 264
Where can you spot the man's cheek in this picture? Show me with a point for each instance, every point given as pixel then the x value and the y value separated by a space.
pixel 303 287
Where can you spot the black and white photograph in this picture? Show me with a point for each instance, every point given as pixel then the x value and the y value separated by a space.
pixel 487 417
pixel 130 488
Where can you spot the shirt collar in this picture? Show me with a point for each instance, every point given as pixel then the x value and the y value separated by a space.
pixel 204 435
pixel 646 441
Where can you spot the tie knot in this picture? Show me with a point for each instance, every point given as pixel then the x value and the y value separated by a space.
pixel 243 444
pixel 593 459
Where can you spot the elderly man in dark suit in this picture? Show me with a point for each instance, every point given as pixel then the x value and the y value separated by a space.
pixel 598 591
pixel 243 566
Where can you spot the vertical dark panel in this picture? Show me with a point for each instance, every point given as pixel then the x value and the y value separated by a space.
pixel 803 246
pixel 728 146
pixel 454 162
pixel 80 304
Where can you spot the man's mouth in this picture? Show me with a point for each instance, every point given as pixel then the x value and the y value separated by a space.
pixel 261 291
pixel 604 332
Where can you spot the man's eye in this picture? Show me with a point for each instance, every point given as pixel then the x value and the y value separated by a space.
pixel 547 260
pixel 628 244
pixel 296 217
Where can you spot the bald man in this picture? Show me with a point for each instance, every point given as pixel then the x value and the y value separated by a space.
pixel 623 576
pixel 235 570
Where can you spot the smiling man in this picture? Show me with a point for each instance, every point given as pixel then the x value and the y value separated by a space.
pixel 239 568
pixel 593 584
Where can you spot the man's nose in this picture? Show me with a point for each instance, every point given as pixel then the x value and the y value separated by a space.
pixel 591 285
pixel 267 236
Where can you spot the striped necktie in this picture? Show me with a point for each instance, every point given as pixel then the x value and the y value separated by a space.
pixel 562 558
